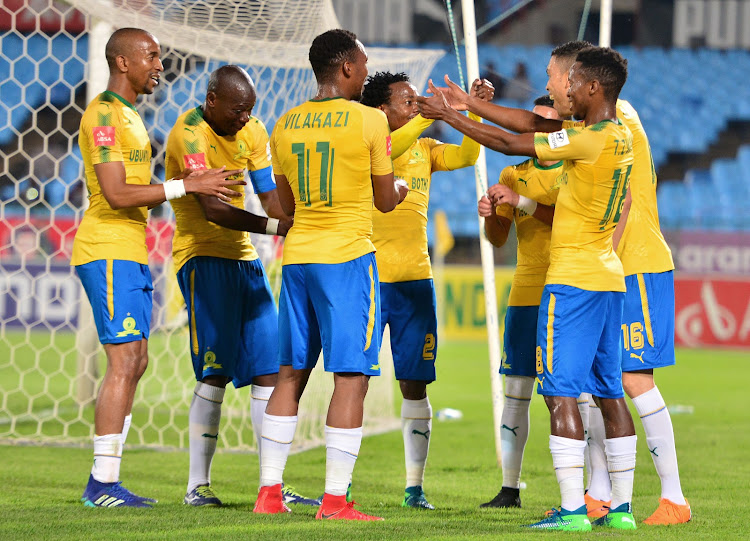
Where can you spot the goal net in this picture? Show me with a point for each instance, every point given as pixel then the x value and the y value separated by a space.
pixel 51 64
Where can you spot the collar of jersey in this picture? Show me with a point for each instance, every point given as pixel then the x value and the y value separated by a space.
pixel 123 100
pixel 327 99
pixel 544 168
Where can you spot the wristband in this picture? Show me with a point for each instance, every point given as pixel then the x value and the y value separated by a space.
pixel 174 189
pixel 527 205
pixel 272 226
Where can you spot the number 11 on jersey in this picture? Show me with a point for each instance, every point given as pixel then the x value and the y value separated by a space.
pixel 327 155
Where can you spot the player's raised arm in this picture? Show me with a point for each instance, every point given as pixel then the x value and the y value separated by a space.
pixel 466 154
pixel 496 227
pixel 510 118
pixel 437 107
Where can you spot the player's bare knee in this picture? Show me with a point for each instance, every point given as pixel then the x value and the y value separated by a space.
pixel 637 383
pixel 413 389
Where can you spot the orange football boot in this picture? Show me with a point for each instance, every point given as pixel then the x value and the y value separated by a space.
pixel 337 508
pixel 669 512
pixel 270 501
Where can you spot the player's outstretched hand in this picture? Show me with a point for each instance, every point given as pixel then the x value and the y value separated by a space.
pixel 435 106
pixel 482 89
pixel 403 189
pixel 501 194
pixel 456 96
pixel 284 227
pixel 213 182
pixel 484 207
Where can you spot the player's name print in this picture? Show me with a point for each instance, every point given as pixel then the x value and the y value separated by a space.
pixel 333 119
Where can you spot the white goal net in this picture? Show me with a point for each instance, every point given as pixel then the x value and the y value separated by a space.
pixel 51 64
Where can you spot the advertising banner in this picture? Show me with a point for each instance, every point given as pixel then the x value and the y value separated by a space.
pixel 712 311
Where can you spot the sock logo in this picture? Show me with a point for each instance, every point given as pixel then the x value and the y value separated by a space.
pixel 213 436
pixel 513 430
pixel 425 434
pixel 653 451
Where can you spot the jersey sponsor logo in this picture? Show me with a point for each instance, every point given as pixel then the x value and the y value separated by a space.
pixel 558 139
pixel 196 162
pixel 388 145
pixel 104 136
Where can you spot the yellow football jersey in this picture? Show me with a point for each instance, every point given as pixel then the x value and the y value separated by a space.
pixel 192 143
pixel 327 150
pixel 596 171
pixel 112 131
pixel 542 184
pixel 400 236
pixel 642 248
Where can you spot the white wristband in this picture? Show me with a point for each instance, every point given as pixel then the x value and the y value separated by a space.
pixel 174 188
pixel 272 226
pixel 527 205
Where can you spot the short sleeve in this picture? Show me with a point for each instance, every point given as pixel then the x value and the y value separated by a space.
pixel 507 178
pixel 576 143
pixel 379 136
pixel 103 129
pixel 260 156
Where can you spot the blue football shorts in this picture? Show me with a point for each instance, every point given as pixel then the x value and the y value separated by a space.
pixel 232 318
pixel 120 293
pixel 519 341
pixel 648 322
pixel 579 345
pixel 333 307
pixel 410 310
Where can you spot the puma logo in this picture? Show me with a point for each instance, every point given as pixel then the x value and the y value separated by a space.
pixel 213 436
pixel 513 430
pixel 213 147
pixel 653 451
pixel 191 131
pixel 639 357
pixel 425 434
pixel 525 182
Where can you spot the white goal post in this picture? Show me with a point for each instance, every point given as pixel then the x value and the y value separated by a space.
pixel 51 64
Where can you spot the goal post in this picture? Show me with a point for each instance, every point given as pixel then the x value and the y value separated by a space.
pixel 486 250
pixel 52 63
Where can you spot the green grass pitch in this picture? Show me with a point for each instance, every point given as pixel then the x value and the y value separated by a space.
pixel 41 486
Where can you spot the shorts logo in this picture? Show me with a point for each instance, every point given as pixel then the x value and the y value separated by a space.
pixel 558 139
pixel 639 357
pixel 128 328
pixel 209 361
pixel 388 146
pixel 104 136
pixel 196 162
pixel 539 363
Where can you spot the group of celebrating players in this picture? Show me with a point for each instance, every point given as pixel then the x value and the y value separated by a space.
pixel 591 308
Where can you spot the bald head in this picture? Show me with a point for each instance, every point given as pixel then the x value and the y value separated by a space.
pixel 125 42
pixel 229 80
pixel 230 98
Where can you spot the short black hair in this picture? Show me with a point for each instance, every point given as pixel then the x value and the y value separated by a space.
pixel 377 89
pixel 570 49
pixel 544 101
pixel 607 66
pixel 331 49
